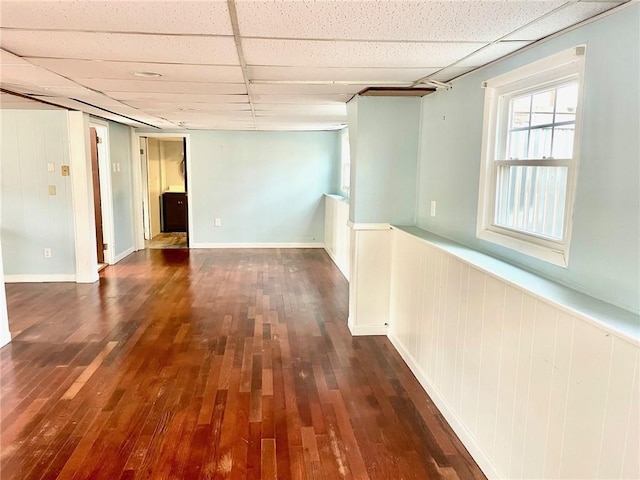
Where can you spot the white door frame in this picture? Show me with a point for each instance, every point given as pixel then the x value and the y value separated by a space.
pixel 138 188
pixel 106 193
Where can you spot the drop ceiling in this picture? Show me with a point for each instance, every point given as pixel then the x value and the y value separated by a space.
pixel 254 64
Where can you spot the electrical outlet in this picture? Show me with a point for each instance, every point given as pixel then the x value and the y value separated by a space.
pixel 433 208
pixel 52 189
pixel 47 253
pixel 217 222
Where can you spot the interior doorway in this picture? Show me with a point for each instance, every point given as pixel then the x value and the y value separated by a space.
pixel 163 162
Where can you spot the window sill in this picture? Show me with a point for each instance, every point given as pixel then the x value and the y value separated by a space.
pixel 617 321
pixel 541 252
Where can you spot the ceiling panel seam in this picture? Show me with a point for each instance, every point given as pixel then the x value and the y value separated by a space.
pixel 233 15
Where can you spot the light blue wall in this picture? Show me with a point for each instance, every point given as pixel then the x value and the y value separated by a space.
pixel 33 220
pixel 385 132
pixel 266 187
pixel 605 251
pixel 121 187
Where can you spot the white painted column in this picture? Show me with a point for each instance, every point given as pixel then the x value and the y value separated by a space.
pixel 5 334
pixel 370 283
pixel 82 192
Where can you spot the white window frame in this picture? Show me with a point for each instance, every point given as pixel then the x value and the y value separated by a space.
pixel 546 72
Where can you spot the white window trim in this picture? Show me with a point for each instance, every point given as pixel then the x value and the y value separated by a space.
pixel 566 63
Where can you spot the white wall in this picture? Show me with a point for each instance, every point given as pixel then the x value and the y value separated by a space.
pixel 33 220
pixel 532 389
pixel 171 160
pixel 337 235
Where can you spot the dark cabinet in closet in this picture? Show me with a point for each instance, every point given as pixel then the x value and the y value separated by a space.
pixel 174 212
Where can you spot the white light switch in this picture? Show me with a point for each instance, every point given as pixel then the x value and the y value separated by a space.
pixel 217 222
pixel 433 208
pixel 52 189
pixel 51 167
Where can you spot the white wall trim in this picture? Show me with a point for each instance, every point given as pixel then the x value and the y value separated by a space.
pixel 5 337
pixel 106 191
pixel 257 245
pixel 5 333
pixel 82 198
pixel 39 278
pixel 124 254
pixel 362 330
pixel 368 226
pixel 137 186
pixel 458 426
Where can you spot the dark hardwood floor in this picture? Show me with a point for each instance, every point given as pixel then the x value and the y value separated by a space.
pixel 211 364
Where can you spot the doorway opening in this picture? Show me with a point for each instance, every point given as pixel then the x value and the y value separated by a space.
pixel 101 175
pixel 164 191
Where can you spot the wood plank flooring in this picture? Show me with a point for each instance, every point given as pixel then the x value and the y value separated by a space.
pixel 211 364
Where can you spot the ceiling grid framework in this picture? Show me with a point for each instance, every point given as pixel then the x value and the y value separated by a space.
pixel 255 64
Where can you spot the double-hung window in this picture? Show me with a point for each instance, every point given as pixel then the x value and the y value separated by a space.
pixel 530 156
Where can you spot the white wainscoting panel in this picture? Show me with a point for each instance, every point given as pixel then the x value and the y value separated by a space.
pixel 370 280
pixel 532 390
pixel 337 235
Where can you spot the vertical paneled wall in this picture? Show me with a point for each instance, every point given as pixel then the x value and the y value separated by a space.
pixel 337 235
pixel 531 390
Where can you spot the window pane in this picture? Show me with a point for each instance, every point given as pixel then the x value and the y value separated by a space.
pixel 520 109
pixel 531 199
pixel 542 107
pixel 563 141
pixel 567 99
pixel 517 147
pixel 540 143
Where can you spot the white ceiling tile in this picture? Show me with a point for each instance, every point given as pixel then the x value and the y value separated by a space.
pixel 310 53
pixel 7 58
pixel 73 105
pixel 166 107
pixel 321 109
pixel 33 75
pixel 304 89
pixel 159 85
pixel 388 20
pixel 450 73
pixel 573 13
pixel 121 47
pixel 178 97
pixel 338 74
pixel 73 68
pixel 119 16
pixel 301 98
pixel 14 102
pixel 490 53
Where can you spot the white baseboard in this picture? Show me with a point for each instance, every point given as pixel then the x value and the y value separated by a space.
pixel 456 423
pixel 5 337
pixel 257 245
pixel 358 331
pixel 126 253
pixel 37 278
